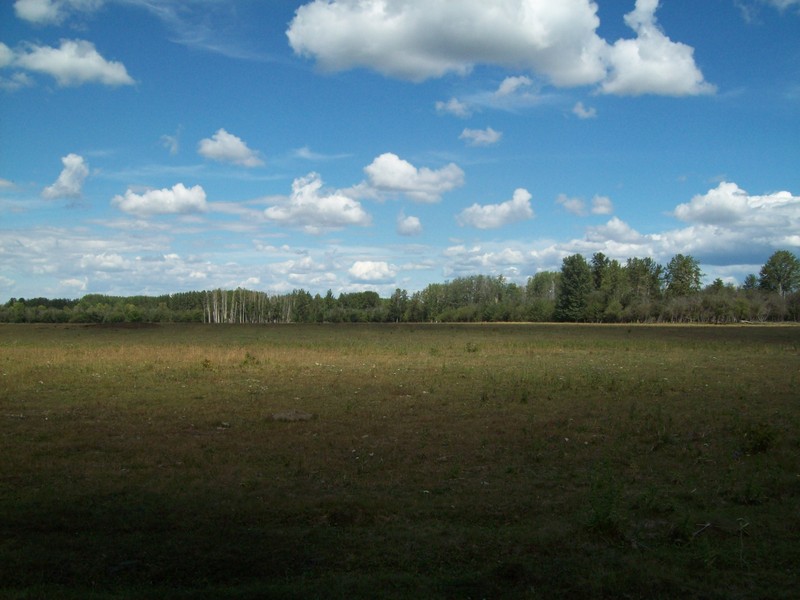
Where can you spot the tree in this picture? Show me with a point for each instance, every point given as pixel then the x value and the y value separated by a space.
pixel 781 273
pixel 682 276
pixel 573 293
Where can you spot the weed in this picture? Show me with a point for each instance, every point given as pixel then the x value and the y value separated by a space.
pixel 757 438
pixel 604 499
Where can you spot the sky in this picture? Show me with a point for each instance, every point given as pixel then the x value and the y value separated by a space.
pixel 161 146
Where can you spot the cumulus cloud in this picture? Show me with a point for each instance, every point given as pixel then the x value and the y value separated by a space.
pixel 728 205
pixel 652 63
pixel 70 182
pixel 583 112
pixel 177 200
pixel 602 205
pixel 390 174
pixel 51 12
pixel 408 226
pixel 492 216
pixel 314 212
pixel 574 206
pixel 226 147
pixel 369 271
pixel 417 40
pixel 73 63
pixel 481 137
pixel 454 107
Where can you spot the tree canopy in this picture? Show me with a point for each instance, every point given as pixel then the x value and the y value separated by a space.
pixel 597 290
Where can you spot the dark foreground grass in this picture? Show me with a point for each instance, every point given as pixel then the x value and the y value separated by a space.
pixel 441 462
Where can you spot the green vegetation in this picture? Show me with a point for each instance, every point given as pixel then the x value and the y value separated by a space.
pixel 599 291
pixel 396 461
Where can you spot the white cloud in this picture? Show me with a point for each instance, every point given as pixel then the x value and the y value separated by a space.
pixel 6 55
pixel 510 85
pixel 172 142
pixel 16 82
pixel 75 62
pixel 5 184
pixel 70 182
pixel 583 112
pixel 602 205
pixel 369 271
pixel 417 40
pixel 652 63
pixel 408 225
pixel 314 212
pixel 481 137
pixel 782 4
pixel 574 206
pixel 492 216
pixel 51 12
pixel 226 147
pixel 454 107
pixel 389 174
pixel 729 205
pixel 177 200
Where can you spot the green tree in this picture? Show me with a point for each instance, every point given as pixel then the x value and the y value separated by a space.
pixel 682 276
pixel 781 273
pixel 573 293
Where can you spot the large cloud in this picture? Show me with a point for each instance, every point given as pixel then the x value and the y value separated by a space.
pixel 226 147
pixel 728 205
pixel 418 39
pixel 177 200
pixel 70 182
pixel 390 174
pixel 315 212
pixel 73 63
pixel 652 63
pixel 370 271
pixel 492 216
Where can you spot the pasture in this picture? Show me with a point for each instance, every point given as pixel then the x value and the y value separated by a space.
pixel 383 461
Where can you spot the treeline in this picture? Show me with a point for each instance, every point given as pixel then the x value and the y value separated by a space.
pixel 599 290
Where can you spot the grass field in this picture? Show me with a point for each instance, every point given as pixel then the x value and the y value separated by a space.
pixel 439 461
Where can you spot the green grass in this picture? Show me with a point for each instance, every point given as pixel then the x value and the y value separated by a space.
pixel 475 461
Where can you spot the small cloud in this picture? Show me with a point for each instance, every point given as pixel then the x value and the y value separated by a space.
pixel 74 63
pixel 389 173
pixel 481 137
pixel 172 142
pixel 70 182
pixel 454 107
pixel 583 112
pixel 408 226
pixel 226 147
pixel 574 206
pixel 510 85
pixel 492 216
pixel 307 153
pixel 178 200
pixel 51 12
pixel 368 271
pixel 5 184
pixel 602 205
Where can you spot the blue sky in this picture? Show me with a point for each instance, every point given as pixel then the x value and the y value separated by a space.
pixel 151 147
